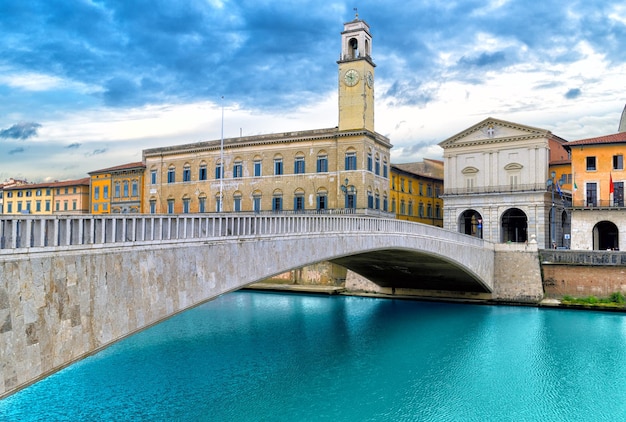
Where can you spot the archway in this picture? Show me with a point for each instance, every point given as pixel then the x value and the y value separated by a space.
pixel 605 236
pixel 471 223
pixel 514 226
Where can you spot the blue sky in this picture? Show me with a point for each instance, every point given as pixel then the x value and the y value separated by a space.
pixel 88 84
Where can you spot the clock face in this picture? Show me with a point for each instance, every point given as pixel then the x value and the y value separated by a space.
pixel 369 78
pixel 351 77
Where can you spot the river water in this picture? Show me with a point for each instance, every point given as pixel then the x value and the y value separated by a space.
pixel 251 356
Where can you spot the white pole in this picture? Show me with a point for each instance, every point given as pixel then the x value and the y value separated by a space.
pixel 221 207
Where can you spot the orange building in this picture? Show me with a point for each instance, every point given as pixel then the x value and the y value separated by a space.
pixel 598 210
pixel 118 189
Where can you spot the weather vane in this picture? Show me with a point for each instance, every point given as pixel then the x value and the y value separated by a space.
pixel 356 12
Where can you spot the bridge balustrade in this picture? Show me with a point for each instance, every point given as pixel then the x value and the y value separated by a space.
pixel 30 233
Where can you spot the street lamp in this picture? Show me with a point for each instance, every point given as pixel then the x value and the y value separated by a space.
pixel 349 192
pixel 550 185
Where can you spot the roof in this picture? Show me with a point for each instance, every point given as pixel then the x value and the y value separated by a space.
pixel 616 138
pixel 128 166
pixel 427 168
pixel 77 182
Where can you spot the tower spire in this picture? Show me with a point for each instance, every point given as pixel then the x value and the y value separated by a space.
pixel 622 121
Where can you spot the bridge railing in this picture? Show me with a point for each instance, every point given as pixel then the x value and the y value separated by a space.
pixel 33 233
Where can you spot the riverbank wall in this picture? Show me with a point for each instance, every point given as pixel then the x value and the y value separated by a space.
pixel 582 273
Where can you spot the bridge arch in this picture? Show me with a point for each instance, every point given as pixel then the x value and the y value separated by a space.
pixel 81 296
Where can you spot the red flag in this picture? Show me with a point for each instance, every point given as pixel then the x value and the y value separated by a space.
pixel 610 183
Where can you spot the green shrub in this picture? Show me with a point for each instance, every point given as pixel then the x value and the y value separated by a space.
pixel 617 297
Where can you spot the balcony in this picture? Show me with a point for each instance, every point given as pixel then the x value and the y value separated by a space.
pixel 599 205
pixel 532 187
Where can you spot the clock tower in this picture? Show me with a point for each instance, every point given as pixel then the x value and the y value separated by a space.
pixel 356 77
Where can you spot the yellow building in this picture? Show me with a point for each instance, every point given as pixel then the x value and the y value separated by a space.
pixel 341 168
pixel 68 197
pixel 118 189
pixel 415 192
pixel 598 212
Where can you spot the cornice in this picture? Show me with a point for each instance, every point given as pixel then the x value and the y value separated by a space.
pixel 260 140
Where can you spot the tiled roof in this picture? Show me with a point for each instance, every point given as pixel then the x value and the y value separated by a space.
pixel 84 181
pixel 616 138
pixel 138 164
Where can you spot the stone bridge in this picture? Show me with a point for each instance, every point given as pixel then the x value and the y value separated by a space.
pixel 70 286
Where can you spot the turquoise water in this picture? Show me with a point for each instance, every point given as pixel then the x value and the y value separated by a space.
pixel 251 356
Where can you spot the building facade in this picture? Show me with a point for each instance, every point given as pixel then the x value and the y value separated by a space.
pixel 117 190
pixel 67 197
pixel 499 184
pixel 598 212
pixel 342 168
pixel 416 190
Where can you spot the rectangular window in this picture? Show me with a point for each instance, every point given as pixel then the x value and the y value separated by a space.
pixel 29 193
pixel 152 207
pixel 38 192
pixel 322 164
pixel 257 168
pixel 10 207
pixel 135 188
pixel 298 203
pixel 106 192
pixel 322 201
pixel 47 205
pixel 369 161
pixel 385 171
pixel 105 207
pixel 299 165
pixel 429 190
pixel 202 174
pixel 420 210
pixel 410 207
pixel 65 206
pixel 377 167
pixel 256 204
pixel 187 174
pixel 278 167
pixel 591 163
pixel 202 204
pixel 186 202
pixel 618 162
pixel 429 211
pixel 57 206
pixel 370 200
pixel 95 207
pixel 170 206
pixel 74 205
pixel 401 185
pixel 153 177
pixel 38 206
pixel 117 191
pixel 238 169
pixel 171 175
pixel 96 193
pixel 350 163
pixel 277 203
pixel 591 194
pixel 219 171
pixel 237 204
pixel 410 186
pixel 126 189
pixel 402 207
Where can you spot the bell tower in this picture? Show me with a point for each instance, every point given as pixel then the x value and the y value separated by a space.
pixel 356 77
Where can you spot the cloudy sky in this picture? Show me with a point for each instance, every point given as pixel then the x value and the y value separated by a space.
pixel 88 84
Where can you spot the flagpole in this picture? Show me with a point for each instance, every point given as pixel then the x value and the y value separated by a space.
pixel 221 207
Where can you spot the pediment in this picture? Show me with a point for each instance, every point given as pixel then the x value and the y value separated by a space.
pixel 493 130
